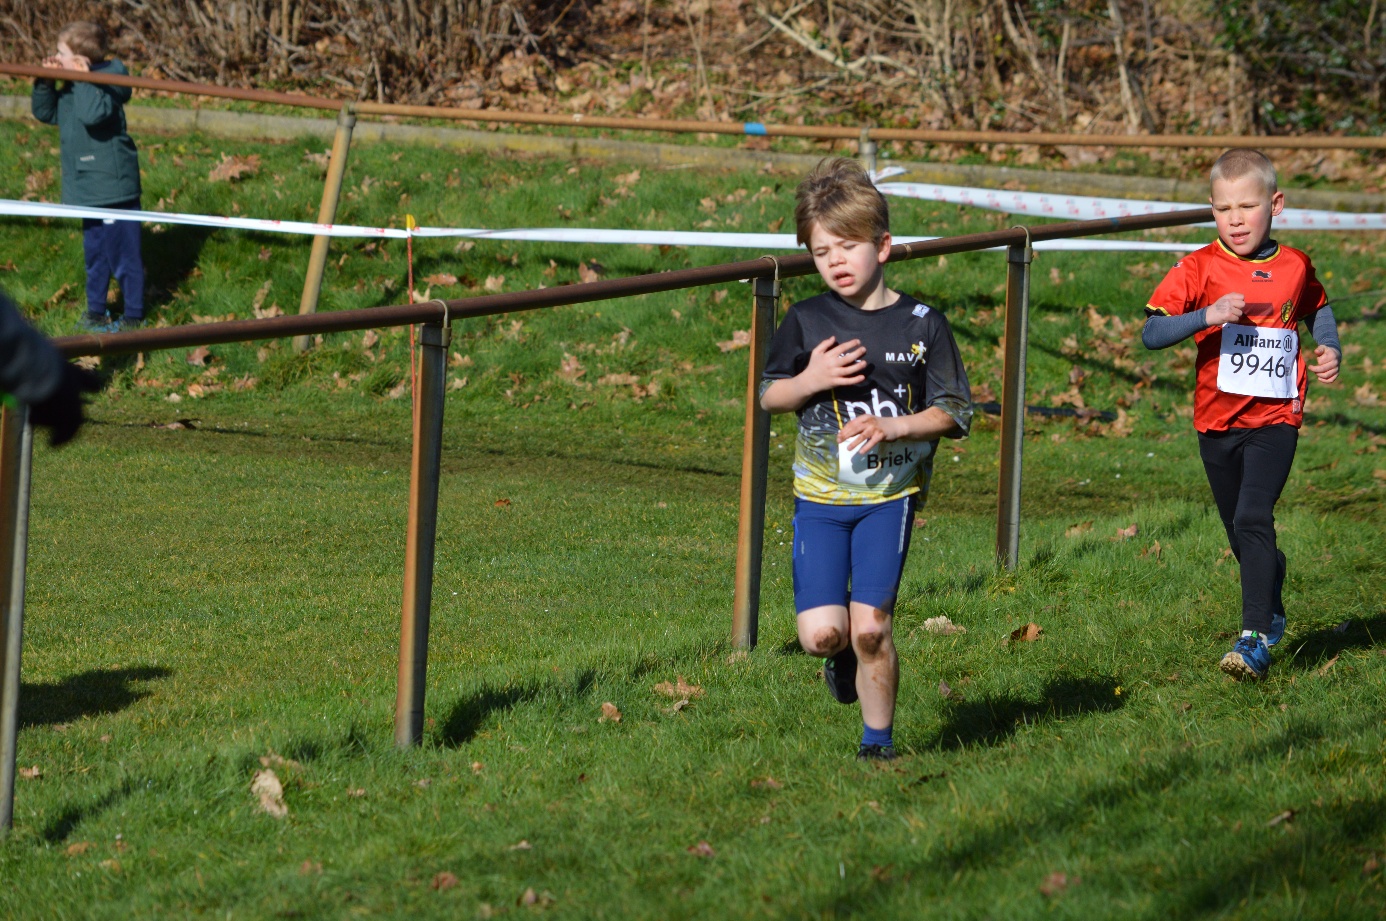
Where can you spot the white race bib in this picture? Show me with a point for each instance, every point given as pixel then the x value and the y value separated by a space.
pixel 1259 362
pixel 888 463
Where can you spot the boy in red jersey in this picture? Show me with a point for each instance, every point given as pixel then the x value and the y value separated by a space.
pixel 1242 298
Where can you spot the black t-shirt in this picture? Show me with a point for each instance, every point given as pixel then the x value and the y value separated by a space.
pixel 912 363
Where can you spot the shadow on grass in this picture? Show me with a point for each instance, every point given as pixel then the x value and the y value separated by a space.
pixel 68 820
pixel 91 693
pixel 470 714
pixel 1312 650
pixel 987 721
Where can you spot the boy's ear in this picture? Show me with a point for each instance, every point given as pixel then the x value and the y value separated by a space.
pixel 1277 203
pixel 883 249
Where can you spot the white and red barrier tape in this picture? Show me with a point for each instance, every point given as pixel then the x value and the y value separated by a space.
pixel 755 241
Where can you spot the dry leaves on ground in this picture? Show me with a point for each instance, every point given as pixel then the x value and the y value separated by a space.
pixel 443 881
pixel 589 272
pixel 740 339
pixel 1056 883
pixel 1026 634
pixel 681 688
pixel 441 279
pixel 610 713
pixel 233 168
pixel 530 898
pixel 1323 669
pixel 942 625
pixel 1282 818
pixel 31 773
pixel 269 792
pixel 766 783
pixel 494 282
pixel 1078 530
pixel 200 357
pixel 1127 533
pixel 702 849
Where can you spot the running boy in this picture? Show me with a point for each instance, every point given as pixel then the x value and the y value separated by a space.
pixel 101 169
pixel 876 379
pixel 1242 298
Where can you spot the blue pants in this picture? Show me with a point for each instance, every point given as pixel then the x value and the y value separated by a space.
pixel 113 248
pixel 850 551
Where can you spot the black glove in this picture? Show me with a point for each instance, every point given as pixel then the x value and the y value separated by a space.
pixel 61 413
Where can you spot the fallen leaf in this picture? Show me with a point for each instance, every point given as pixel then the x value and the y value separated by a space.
pixel 111 864
pixel 609 713
pixel 766 783
pixel 1379 473
pixel 265 253
pixel 1078 530
pixel 680 689
pixel 59 294
pixel 31 773
pixel 702 849
pixel 1026 634
pixel 1127 532
pixel 944 690
pixel 78 848
pixel 570 369
pixel 1286 817
pixel 276 760
pixel 199 357
pixel 882 874
pixel 589 273
pixel 494 282
pixel 502 503
pixel 618 380
pixel 1323 669
pixel 266 788
pixel 521 846
pixel 441 279
pixel 478 767
pixel 776 224
pixel 443 881
pixel 106 737
pixel 739 340
pixel 273 310
pixel 309 868
pixel 942 625
pixel 398 390
pixel 423 783
pixel 233 168
pixel 356 792
pixel 1153 550
pixel 1056 883
pixel 529 898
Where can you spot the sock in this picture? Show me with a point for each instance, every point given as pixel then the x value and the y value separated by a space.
pixel 1253 634
pixel 871 736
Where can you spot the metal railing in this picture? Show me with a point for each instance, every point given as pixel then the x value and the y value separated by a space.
pixel 437 317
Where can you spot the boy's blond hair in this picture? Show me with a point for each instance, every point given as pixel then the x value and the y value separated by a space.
pixel 1243 161
pixel 839 196
pixel 85 38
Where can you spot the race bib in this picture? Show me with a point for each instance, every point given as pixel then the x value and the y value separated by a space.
pixel 885 465
pixel 1259 362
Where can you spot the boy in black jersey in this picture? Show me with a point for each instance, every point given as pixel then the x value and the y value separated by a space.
pixel 876 380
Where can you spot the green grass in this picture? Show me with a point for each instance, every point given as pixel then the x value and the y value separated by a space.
pixel 203 598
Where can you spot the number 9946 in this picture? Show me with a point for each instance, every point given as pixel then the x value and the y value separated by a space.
pixel 1251 363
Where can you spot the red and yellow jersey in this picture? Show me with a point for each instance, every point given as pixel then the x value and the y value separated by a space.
pixel 1280 291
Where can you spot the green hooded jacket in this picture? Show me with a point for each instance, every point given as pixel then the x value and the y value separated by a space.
pixel 100 163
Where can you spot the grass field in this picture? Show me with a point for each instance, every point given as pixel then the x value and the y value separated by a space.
pixel 212 600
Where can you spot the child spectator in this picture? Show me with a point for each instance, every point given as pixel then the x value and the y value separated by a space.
pixel 1242 298
pixel 876 380
pixel 100 169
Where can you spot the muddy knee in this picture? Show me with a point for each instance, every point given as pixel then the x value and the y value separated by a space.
pixel 868 643
pixel 825 641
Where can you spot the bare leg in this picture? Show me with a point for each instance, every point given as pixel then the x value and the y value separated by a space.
pixel 823 631
pixel 878 666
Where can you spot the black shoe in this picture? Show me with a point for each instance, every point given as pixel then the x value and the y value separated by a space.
pixel 840 674
pixel 876 753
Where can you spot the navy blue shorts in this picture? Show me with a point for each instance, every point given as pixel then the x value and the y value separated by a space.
pixel 850 552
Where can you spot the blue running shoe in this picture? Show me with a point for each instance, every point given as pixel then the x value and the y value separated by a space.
pixel 94 323
pixel 1277 629
pixel 1248 660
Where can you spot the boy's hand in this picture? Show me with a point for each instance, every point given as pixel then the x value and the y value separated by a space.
pixel 865 432
pixel 831 365
pixel 1327 368
pixel 52 62
pixel 1227 309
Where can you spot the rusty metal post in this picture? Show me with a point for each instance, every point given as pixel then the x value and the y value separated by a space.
pixel 425 472
pixel 327 214
pixel 16 464
pixel 1018 259
pixel 755 461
